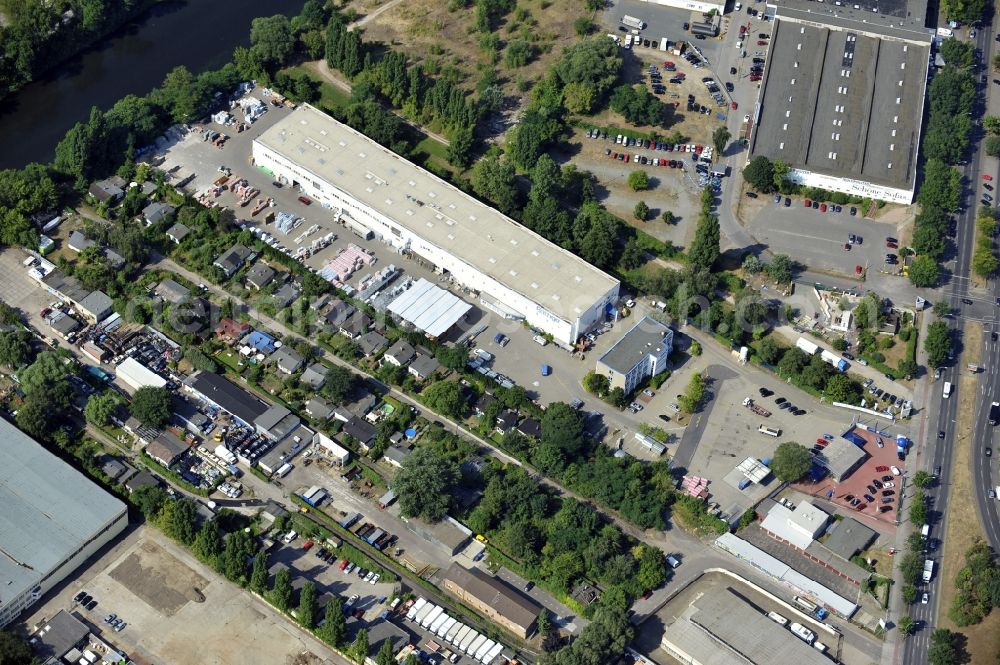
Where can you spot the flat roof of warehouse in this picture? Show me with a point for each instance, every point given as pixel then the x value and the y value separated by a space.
pixel 842 102
pixel 438 212
pixel 50 510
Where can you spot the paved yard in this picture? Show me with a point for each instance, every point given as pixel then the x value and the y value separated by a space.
pixel 817 239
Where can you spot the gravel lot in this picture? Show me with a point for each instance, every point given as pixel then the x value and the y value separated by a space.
pixel 179 611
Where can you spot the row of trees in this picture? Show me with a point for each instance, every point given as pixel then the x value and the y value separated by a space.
pixel 952 95
pixel 562 541
pixel 809 371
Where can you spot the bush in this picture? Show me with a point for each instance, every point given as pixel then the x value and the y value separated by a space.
pixel 641 211
pixel 638 181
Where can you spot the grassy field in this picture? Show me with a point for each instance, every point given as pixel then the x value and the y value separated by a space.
pixel 331 97
pixel 443 40
pixel 963 527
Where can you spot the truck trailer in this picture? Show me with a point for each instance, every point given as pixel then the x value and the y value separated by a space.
pixel 633 22
pixel 415 607
pixel 994 413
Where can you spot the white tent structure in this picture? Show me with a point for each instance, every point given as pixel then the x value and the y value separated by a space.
pixel 429 308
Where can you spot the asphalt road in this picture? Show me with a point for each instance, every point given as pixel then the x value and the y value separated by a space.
pixel 939 450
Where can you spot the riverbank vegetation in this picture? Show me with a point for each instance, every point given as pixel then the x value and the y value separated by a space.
pixel 35 36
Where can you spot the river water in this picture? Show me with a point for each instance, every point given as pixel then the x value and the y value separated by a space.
pixel 198 34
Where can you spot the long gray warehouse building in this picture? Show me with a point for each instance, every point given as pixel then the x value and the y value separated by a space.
pixel 53 519
pixel 842 97
pixel 517 273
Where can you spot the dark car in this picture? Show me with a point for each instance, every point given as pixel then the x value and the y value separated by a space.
pixel 886 479
pixel 854 211
pixel 888 499
pixel 849 497
pixel 878 484
pixel 847 356
pixel 788 202
pixel 780 400
pixel 940 434
pixel 993 336
pixel 869 498
pixel 664 417
pixel 988 451
pixel 80 596
pixel 91 605
pixel 815 205
pixel 855 502
pixel 888 492
pixel 900 456
pixel 729 86
pixel 967 301
pixel 528 586
pixel 764 392
pixel 799 412
pixel 937 471
pixel 871 490
pixel 884 509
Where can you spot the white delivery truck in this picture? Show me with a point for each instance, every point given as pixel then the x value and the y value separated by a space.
pixel 633 22
pixel 928 570
pixel 415 607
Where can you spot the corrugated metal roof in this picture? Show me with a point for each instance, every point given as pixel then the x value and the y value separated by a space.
pixel 49 511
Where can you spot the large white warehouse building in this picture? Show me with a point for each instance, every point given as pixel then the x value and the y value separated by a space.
pixel 53 519
pixel 517 273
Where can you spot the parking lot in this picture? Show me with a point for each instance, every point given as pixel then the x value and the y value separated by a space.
pixel 818 239
pixel 179 611
pixel 725 432
pixel 854 496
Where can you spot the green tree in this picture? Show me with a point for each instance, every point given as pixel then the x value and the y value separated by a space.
pixel 48 376
pixel 641 211
pixel 179 520
pixel 307 605
pixel 334 628
pixel 924 272
pixel 281 592
pixel 909 593
pixel 424 485
pixel 632 255
pixel 595 383
pixel 720 139
pixel 446 397
pixel 693 394
pixel 208 543
pixel 922 479
pixel 918 508
pixel 769 351
pixel 494 179
pixel 460 147
pixel 563 429
pixel 385 655
pixel 592 66
pixel 259 574
pixel 704 250
pixel 759 174
pixel 14 650
pixel 993 146
pixel 841 388
pixel 906 623
pixel 583 26
pixel 668 217
pixel 937 343
pixel 638 181
pixel 200 361
pixel 780 269
pixel 339 383
pixel 151 406
pixel 100 407
pixel 944 648
pixel 15 349
pixel 791 461
pixel 359 649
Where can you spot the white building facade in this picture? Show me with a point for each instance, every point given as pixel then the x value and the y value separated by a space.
pixel 482 239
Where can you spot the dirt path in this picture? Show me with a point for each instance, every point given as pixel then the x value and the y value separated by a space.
pixel 368 17
pixel 321 69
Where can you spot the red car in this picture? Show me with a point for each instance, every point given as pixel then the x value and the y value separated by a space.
pixel 987 178
pixel 679 75
pixel 668 65
pixel 858 270
pixel 847 246
pixel 305 200
pixel 734 106
pixel 807 203
pixel 761 42
pixel 45 312
pixel 822 207
pixel 306 545
pixel 892 245
pixel 343 564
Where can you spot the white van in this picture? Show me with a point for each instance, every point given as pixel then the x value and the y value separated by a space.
pixel 30 261
pixel 289 537
pixel 947 389
pixel 540 340
pixel 925 531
